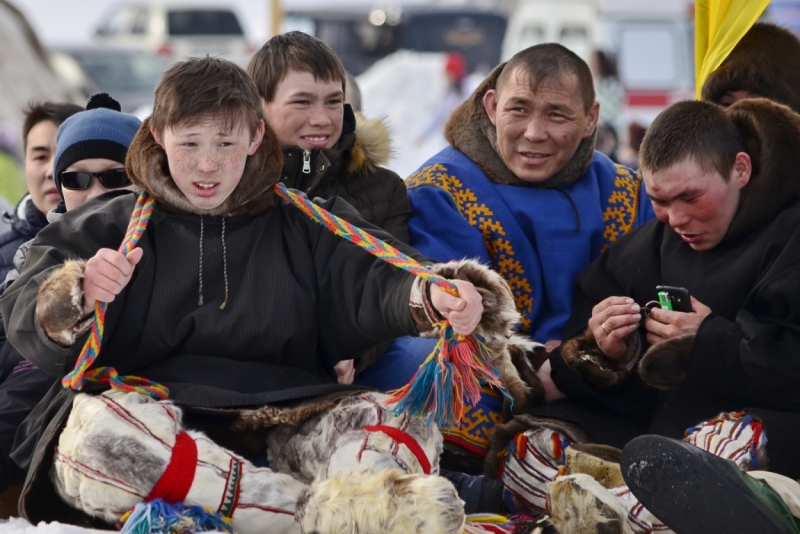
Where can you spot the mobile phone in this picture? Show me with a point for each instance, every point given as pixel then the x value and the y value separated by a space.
pixel 674 298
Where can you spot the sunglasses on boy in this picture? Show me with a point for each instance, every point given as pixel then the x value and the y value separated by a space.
pixel 81 180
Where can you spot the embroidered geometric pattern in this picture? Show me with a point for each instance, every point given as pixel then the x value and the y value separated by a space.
pixel 494 235
pixel 620 214
pixel 230 497
pixel 477 423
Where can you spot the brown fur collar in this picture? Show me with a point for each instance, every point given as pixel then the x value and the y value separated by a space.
pixel 772 135
pixel 372 147
pixel 470 131
pixel 766 62
pixel 148 169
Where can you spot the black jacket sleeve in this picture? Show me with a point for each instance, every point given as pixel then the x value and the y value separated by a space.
pixel 756 357
pixel 79 234
pixel 363 299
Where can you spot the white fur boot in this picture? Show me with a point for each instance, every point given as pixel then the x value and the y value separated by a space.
pixel 119 449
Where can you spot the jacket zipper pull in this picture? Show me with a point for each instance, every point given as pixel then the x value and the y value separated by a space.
pixel 306 162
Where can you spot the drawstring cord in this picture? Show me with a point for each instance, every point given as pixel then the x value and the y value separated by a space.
pixel 224 263
pixel 200 300
pixel 574 208
pixel 224 266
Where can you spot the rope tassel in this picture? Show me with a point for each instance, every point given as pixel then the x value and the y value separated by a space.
pixel 453 373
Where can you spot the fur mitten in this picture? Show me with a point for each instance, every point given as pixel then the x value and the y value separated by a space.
pixel 59 306
pixel 583 354
pixel 664 364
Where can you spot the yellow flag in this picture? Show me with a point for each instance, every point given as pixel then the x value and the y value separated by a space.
pixel 719 25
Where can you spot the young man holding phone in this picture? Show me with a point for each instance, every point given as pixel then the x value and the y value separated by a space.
pixel 725 375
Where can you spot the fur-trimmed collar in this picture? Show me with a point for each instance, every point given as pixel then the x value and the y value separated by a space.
pixel 772 136
pixel 147 168
pixel 372 147
pixel 470 131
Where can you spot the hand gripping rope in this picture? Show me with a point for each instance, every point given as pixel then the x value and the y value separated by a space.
pixel 448 378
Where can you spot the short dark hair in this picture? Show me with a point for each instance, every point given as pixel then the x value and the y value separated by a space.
pixel 55 112
pixel 199 87
pixel 550 61
pixel 692 129
pixel 293 51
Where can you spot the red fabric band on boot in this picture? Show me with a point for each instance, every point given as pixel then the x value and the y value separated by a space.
pixel 174 484
pixel 404 438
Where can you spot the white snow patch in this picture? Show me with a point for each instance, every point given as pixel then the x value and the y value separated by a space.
pixel 17 525
pixel 407 88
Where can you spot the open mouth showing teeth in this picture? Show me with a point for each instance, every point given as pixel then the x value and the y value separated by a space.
pixel 204 186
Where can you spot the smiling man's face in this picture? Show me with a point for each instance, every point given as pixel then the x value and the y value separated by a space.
pixel 539 131
pixel 306 112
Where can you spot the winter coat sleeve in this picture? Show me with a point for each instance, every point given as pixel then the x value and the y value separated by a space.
pixel 439 231
pixel 99 223
pixel 756 357
pixel 363 300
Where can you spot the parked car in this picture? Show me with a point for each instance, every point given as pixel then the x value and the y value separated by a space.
pixel 129 75
pixel 360 37
pixel 176 31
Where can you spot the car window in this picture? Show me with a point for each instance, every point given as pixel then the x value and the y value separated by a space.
pixel 122 72
pixel 203 22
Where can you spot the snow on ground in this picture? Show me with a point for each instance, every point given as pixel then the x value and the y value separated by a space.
pixel 16 525
pixel 407 88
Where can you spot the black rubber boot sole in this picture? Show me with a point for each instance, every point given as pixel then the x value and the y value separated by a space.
pixel 693 491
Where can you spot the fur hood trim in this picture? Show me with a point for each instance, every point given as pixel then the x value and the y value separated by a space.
pixel 470 131
pixel 765 62
pixel 148 169
pixel 372 147
pixel 771 133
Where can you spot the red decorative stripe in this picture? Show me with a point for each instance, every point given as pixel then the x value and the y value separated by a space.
pixel 174 484
pixel 265 508
pixel 404 438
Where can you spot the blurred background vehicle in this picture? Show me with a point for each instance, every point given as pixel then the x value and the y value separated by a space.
pixel 129 75
pixel 176 31
pixel 360 36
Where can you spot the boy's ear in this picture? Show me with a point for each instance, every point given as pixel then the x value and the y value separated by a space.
pixel 156 136
pixel 257 139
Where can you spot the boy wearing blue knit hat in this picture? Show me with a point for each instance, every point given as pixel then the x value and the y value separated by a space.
pixel 90 160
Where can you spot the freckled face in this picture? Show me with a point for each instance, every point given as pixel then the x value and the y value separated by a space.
pixel 697 204
pixel 539 131
pixel 207 158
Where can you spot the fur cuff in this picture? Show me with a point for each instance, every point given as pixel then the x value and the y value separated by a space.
pixel 664 365
pixel 59 306
pixel 422 311
pixel 497 325
pixel 523 353
pixel 584 355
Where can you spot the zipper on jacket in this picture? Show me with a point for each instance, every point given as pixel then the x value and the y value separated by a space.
pixel 306 162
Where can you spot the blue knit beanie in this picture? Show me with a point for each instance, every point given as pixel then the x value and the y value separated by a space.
pixel 102 131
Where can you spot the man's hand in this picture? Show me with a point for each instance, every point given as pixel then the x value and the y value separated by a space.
pixel 345 371
pixel 667 324
pixel 107 273
pixel 551 392
pixel 464 311
pixel 613 321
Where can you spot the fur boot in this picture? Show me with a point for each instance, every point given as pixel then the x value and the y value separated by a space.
pixel 664 364
pixel 389 501
pixel 734 436
pixel 116 447
pixel 601 462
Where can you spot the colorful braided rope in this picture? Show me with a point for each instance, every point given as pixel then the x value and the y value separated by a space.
pixel 91 349
pixel 454 372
